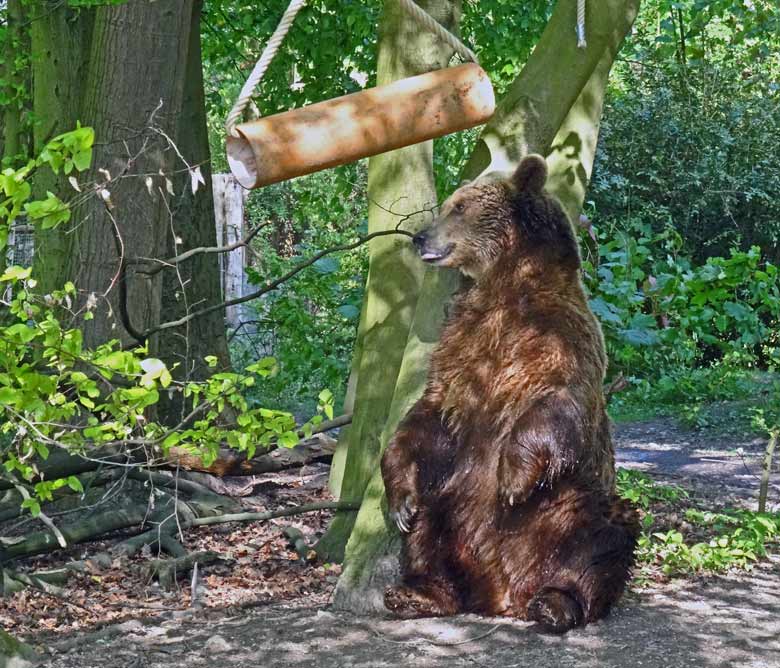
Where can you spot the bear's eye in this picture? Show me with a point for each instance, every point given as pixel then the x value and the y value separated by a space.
pixel 460 207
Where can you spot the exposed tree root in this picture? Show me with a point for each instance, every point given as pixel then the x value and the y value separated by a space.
pixel 168 570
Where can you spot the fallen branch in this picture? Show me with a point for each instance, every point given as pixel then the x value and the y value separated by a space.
pixel 137 514
pixel 43 541
pixel 43 517
pixel 233 463
pixel 47 581
pixel 272 514
pixel 167 570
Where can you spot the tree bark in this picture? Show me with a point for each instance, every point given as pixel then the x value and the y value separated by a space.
pixel 536 108
pixel 60 42
pixel 133 72
pixel 14 140
pixel 400 183
pixel 130 89
pixel 14 653
pixel 194 284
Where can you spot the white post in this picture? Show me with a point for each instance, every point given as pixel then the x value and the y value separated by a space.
pixel 229 200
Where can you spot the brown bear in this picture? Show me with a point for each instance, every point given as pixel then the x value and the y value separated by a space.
pixel 500 478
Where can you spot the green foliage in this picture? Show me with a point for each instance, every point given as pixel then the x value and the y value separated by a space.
pixel 688 141
pixel 66 152
pixel 55 393
pixel 734 538
pixel 642 490
pixel 659 310
pixel 309 323
pixel 15 90
pixel 739 539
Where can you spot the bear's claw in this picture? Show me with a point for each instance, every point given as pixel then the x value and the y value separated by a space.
pixel 404 516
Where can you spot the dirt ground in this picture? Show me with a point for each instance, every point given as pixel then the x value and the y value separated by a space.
pixel 729 620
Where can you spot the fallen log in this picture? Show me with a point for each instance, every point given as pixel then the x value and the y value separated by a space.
pixel 320 448
pixel 233 463
pixel 90 527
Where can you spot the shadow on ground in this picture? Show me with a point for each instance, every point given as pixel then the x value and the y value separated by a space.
pixel 713 622
pixel 724 621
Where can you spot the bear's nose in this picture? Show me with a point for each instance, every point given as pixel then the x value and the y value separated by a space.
pixel 419 240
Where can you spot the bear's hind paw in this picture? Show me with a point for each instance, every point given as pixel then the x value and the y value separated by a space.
pixel 555 611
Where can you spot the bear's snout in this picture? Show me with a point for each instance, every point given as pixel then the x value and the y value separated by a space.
pixel 419 240
pixel 430 248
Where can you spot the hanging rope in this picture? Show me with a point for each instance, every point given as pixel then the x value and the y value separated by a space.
pixel 422 17
pixel 581 43
pixel 262 65
pixel 427 21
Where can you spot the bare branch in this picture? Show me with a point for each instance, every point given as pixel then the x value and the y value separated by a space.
pixel 43 517
pixel 170 263
pixel 272 285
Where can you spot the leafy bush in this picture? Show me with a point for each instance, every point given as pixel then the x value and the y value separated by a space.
pixel 740 539
pixel 55 393
pixel 659 310
pixel 734 538
pixel 690 143
pixel 642 490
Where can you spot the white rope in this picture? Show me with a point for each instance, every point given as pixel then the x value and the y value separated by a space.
pixel 262 65
pixel 581 43
pixel 425 19
pixel 283 28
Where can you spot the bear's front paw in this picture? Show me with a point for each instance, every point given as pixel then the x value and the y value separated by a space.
pixel 514 487
pixel 403 516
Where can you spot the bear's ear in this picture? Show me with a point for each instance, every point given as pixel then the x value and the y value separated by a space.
pixel 531 174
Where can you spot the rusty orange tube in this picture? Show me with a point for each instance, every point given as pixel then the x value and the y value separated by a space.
pixel 345 129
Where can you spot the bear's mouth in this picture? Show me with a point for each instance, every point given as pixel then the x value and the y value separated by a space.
pixel 434 256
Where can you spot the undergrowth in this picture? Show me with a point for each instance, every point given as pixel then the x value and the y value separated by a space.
pixel 704 541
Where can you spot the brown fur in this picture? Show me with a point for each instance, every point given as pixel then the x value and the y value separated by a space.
pixel 501 476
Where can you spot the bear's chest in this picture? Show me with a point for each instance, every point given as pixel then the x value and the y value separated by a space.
pixel 482 366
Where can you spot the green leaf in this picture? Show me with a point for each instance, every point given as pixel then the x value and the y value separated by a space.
pixel 75 484
pixel 326 265
pixel 33 505
pixel 16 273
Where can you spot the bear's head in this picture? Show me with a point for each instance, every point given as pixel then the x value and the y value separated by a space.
pixel 501 220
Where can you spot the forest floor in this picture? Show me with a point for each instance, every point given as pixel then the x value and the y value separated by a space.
pixel 268 606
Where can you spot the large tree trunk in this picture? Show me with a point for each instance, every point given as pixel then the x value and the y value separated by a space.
pixel 132 94
pixel 399 183
pixel 133 72
pixel 60 43
pixel 551 94
pixel 194 284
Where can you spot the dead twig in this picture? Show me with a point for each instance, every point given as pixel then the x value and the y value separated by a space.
pixel 272 285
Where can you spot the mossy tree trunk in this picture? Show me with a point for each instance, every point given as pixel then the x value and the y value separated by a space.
pixel 14 653
pixel 555 104
pixel 133 72
pixel 14 137
pixel 400 183
pixel 59 44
